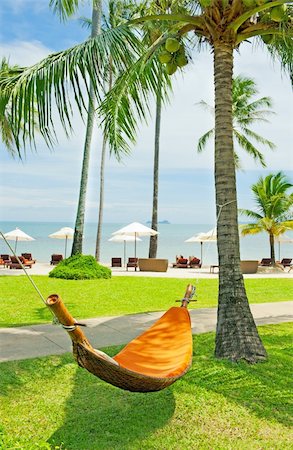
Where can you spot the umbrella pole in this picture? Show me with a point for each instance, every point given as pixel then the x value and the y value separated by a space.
pixel 15 244
pixel 201 254
pixel 124 242
pixel 279 251
pixel 135 249
pixel 65 246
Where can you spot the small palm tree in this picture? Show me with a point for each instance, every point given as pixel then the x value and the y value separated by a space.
pixel 273 208
pixel 246 112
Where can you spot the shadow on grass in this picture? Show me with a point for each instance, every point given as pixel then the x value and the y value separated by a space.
pixel 261 388
pixel 100 416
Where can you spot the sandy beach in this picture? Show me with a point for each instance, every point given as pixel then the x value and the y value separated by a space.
pixel 204 272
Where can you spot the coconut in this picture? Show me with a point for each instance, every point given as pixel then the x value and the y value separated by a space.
pixel 172 45
pixel 267 38
pixel 181 60
pixel 165 57
pixel 171 68
pixel 278 13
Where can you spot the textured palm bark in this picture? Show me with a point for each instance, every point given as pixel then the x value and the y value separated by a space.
pixel 101 200
pixel 237 337
pixel 102 180
pixel 154 239
pixel 272 246
pixel 79 221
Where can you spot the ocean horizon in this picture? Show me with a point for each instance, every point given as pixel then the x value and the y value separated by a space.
pixel 170 242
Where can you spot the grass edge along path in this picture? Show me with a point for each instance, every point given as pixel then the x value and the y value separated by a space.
pixel 50 403
pixel 20 304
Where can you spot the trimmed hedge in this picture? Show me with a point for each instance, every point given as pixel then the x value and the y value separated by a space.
pixel 80 267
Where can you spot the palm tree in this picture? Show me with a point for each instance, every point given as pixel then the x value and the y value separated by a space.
pixel 246 112
pixel 66 9
pixel 118 13
pixel 273 208
pixel 223 25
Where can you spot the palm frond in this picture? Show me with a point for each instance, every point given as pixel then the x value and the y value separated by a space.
pixel 202 142
pixel 249 147
pixel 259 139
pixel 64 8
pixel 128 101
pixel 52 80
pixel 85 22
pixel 250 213
pixel 251 228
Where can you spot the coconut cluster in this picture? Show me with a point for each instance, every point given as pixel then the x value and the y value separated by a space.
pixel 173 55
pixel 276 14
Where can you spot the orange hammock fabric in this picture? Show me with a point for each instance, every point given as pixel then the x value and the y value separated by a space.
pixel 164 350
pixel 150 362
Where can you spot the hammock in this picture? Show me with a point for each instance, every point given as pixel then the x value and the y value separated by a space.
pixel 151 362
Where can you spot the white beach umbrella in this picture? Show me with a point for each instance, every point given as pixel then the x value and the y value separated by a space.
pixel 17 235
pixel 135 229
pixel 124 239
pixel 64 233
pixel 282 239
pixel 209 236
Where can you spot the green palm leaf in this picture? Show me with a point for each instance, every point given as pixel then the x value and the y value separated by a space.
pixel 128 101
pixel 53 79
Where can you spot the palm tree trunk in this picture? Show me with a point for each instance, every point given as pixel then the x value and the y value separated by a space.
pixel 79 222
pixel 102 179
pixel 154 239
pixel 272 246
pixel 236 337
pixel 101 201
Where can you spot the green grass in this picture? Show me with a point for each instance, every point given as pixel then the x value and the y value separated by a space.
pixel 20 304
pixel 51 403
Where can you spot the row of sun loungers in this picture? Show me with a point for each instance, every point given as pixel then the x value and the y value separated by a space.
pixel 26 260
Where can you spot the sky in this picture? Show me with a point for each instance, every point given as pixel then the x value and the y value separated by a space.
pixel 44 186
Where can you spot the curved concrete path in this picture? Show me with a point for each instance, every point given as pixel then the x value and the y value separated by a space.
pixel 42 340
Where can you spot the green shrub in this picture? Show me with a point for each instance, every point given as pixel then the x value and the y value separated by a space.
pixel 80 267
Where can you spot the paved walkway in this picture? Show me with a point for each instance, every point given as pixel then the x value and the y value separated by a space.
pixel 41 340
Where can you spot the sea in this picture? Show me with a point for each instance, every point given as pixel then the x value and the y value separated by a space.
pixel 170 242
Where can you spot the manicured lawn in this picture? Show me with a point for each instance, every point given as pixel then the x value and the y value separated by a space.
pixel 51 403
pixel 20 305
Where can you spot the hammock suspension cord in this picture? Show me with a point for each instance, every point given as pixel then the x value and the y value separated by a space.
pixel 55 320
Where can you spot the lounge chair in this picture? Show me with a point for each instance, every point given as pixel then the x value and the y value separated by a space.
pixel 176 259
pixel 6 259
pixel 28 257
pixel 267 262
pixel 2 263
pixel 286 262
pixel 116 262
pixel 132 262
pixel 16 265
pixel 194 262
pixel 55 259
pixel 182 263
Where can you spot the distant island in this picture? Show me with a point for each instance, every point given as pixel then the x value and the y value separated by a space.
pixel 160 221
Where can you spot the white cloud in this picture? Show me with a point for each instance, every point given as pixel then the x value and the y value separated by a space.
pixel 24 53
